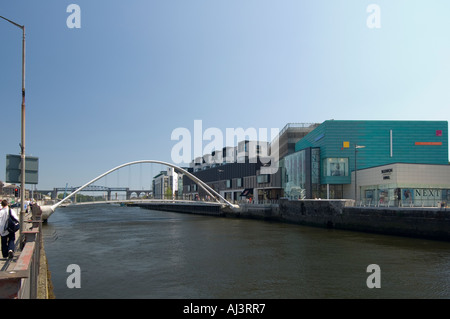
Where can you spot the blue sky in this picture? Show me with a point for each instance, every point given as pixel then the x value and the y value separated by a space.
pixel 113 90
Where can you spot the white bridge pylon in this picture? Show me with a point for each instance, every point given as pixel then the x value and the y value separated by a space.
pixel 48 210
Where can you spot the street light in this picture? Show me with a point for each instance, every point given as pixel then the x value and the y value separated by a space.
pixel 22 144
pixel 356 169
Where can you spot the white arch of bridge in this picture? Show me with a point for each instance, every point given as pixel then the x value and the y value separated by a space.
pixel 48 210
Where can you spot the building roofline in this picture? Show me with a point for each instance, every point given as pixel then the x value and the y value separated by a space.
pixel 402 163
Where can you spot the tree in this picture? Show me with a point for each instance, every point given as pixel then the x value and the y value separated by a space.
pixel 169 193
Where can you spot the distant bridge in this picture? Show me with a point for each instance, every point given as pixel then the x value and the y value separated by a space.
pixel 48 210
pixel 95 188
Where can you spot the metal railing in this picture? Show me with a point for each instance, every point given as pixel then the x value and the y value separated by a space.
pixel 403 203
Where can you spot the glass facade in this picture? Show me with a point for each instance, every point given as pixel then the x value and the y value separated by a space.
pixel 295 175
pixel 302 174
pixel 384 195
pixel 331 191
pixel 315 173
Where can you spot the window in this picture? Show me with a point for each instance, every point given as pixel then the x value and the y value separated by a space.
pixel 239 182
pixel 228 183
pixel 262 178
pixel 315 165
pixel 335 166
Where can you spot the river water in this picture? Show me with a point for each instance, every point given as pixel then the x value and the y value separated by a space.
pixel 129 252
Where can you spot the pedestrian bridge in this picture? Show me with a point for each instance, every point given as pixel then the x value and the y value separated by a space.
pixel 219 200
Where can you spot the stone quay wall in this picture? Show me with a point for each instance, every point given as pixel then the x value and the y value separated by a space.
pixel 432 223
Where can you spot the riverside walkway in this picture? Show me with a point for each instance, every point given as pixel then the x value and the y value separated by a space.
pixel 7 264
pixel 25 275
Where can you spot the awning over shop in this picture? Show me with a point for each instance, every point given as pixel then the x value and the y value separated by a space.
pixel 247 191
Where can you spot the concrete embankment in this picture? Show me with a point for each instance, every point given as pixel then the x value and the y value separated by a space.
pixel 431 223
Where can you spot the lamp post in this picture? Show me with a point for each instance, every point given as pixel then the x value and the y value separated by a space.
pixel 22 144
pixel 356 170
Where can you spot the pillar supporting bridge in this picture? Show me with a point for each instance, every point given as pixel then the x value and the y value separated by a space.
pixel 48 210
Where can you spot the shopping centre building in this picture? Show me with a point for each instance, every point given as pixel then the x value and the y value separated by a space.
pixel 374 162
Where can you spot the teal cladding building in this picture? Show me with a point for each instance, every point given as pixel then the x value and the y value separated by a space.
pixel 326 156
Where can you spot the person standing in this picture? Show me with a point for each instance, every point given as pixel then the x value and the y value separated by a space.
pixel 8 239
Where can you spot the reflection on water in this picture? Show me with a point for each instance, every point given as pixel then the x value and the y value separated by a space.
pixel 128 252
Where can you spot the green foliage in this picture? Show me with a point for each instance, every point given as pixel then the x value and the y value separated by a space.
pixel 80 198
pixel 168 193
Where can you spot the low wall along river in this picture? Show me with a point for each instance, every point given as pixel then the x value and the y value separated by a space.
pixel 431 223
